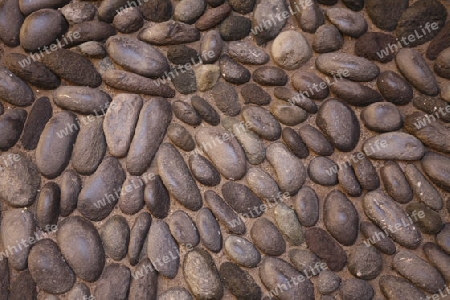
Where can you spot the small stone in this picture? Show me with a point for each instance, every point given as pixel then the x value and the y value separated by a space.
pixel 174 293
pixel 347 179
pixel 288 114
pixel 115 235
pixel 288 223
pixel 426 219
pixel 365 172
pixel 439 43
pixel 376 237
pixel 385 14
pixel 262 184
pixel 188 11
pixel 185 83
pixel 319 170
pixel 203 170
pixel 114 283
pixel 365 262
pixel 253 93
pixel 328 282
pixel 382 117
pixel 131 198
pixel 138 234
pixel 395 182
pixel 225 97
pixel 358 68
pixel 239 282
pixel 78 12
pixel 260 13
pixel 232 71
pixel 263 123
pixel 213 17
pixel 397 288
pixel 294 142
pixel 443 238
pixel 299 99
pixel 304 81
pixel 308 14
pixel 432 106
pixel 394 88
pixel 423 189
pixel 129 20
pixel 156 10
pixel 397 146
pixel 11 20
pixel 355 93
pixel 437 167
pixel 211 44
pixel 14 90
pixel 352 289
pixel 326 248
pixel 441 65
pixel 205 110
pixel 348 22
pixel 372 46
pixel 207 77
pixel 241 199
pixel 315 140
pixel 145 286
pixel 303 260
pixel 209 230
pixel 247 53
pixel 290 50
pixel 169 33
pixel 93 49
pixel 47 206
pixel 11 125
pixel 306 205
pixel 271 76
pixel 242 251
pixel 327 39
pixel 438 258
pixel 267 238
pixel 186 113
pixel 183 229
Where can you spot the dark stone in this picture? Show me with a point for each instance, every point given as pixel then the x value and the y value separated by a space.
pixel 205 110
pixel 394 88
pixel 372 44
pixel 70 189
pixel 156 10
pixel 157 198
pixel 326 248
pixel 47 206
pixel 385 14
pixel 239 282
pixel 271 76
pixel 39 115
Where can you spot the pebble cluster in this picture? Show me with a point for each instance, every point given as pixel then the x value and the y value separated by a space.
pixel 212 149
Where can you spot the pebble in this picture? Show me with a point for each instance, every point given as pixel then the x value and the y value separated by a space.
pixel 303 260
pixel 89 31
pixel 390 216
pixel 348 22
pixel 163 245
pixel 156 10
pixel 326 248
pixel 352 289
pixel 253 93
pixel 275 272
pixel 290 50
pixel 114 283
pixel 242 7
pixel 48 268
pixel 339 123
pixel 319 170
pixel 267 237
pixel 17 224
pixel 288 223
pixel 11 126
pixel 355 93
pixel 382 117
pixel 260 17
pixel 188 11
pixel 120 121
pixel 202 276
pixel 423 189
pixel 418 271
pixel 137 56
pixel 175 293
pixel 138 233
pixel 315 140
pixel 441 65
pixel 108 9
pixel 306 205
pixel 84 100
pixel 133 83
pixel 439 43
pixel 186 113
pixel 242 251
pixel 76 230
pixel 207 77
pixel 78 12
pixel 78 291
pixel 294 142
pixel 213 17
pixel 31 71
pixel 262 184
pixel 271 76
pixel 115 235
pixel 80 71
pixel 180 137
pixel 372 46
pixel 397 146
pixel 183 229
pixel 226 98
pixel 23 287
pixel 203 170
pixel 55 146
pixel 437 168
pixel 14 90
pixel 47 20
pixel 228 156
pixel 70 187
pixel 365 262
pixel 347 179
pixel 327 39
pixel 129 21
pixel 11 20
pixel 432 105
pixel 328 282
pixel 262 122
pixel 353 67
pixel 355 5
pixel 428 221
pixel 211 44
pixel 4 282
pixel 395 183
pixel 438 258
pixel 288 114
pixel 154 117
pixel 92 49
pixel 434 134
pixel 341 218
pixel 145 287
pixel 286 94
pixel 185 83
pixel 209 230
pixel 239 282
pixel 169 33
pixel 304 81
pixel 177 178
pixel 412 65
pixel 247 53
pixel 394 88
pixel 242 199
pixel 365 172
pixel 308 14
pixel 397 288
pixel 232 71
pixel 443 238
pixel 47 206
pixel 181 54
pixel 289 170
pixel 101 190
pixel 205 110
pixel 421 12
pixel 386 14
pixel 131 198
pixel 377 238
pixel 224 213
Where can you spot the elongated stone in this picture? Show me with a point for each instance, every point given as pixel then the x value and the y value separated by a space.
pixel 437 167
pixel 261 14
pixel 11 20
pixel 154 118
pixel 169 33
pixel 84 100
pixel 177 178
pixel 14 90
pixel 423 189
pixel 394 145
pixel 353 67
pixel 391 218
